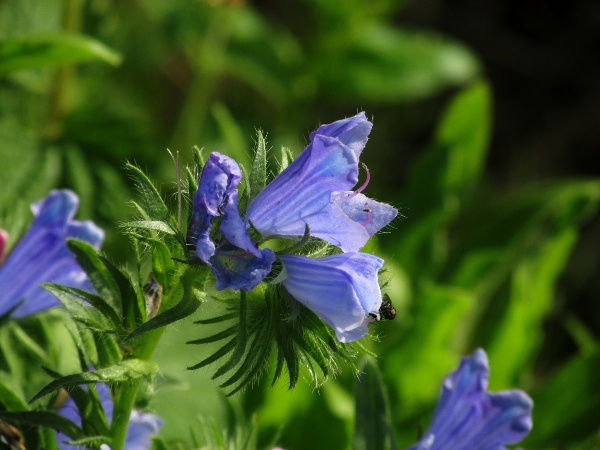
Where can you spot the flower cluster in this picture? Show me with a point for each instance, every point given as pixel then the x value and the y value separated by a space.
pixel 467 417
pixel 42 256
pixel 313 193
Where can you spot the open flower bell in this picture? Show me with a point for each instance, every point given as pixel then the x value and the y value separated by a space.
pixel 315 190
pixel 42 256
pixel 467 417
pixel 341 289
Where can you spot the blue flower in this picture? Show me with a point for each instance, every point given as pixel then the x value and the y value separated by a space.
pixel 235 260
pixel 142 426
pixel 467 417
pixel 42 256
pixel 316 190
pixel 341 289
pixel 313 191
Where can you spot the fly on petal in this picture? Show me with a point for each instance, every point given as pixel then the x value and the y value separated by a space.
pixel 342 289
pixel 468 417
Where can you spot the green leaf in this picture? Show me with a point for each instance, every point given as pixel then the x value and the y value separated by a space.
pixel 132 300
pixel 44 419
pixel 286 159
pixel 215 356
pixel 464 133
pixel 151 225
pixel 242 334
pixel 573 389
pixel 153 202
pixel 427 352
pixel 91 262
pixel 77 310
pixel 531 300
pixel 51 50
pixel 123 371
pixel 379 63
pixel 10 400
pixel 163 267
pixel 372 423
pixel 96 301
pixel 258 176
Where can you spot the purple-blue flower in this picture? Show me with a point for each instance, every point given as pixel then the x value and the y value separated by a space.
pixel 235 260
pixel 341 289
pixel 142 426
pixel 467 417
pixel 316 190
pixel 42 256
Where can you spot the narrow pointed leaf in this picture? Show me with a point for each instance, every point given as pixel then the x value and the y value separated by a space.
pixel 215 337
pixel 372 425
pixel 96 301
pixel 215 356
pixel 240 348
pixel 258 176
pixel 153 202
pixel 218 319
pixel 77 310
pixel 132 304
pixel 123 371
pixel 89 260
pixel 44 419
pixel 151 225
pixel 51 50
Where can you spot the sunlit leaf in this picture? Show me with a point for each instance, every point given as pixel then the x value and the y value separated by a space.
pixel 34 52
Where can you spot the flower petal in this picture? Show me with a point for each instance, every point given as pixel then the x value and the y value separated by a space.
pixel 42 256
pixel 311 189
pixel 219 179
pixel 468 417
pixel 142 427
pixel 341 289
pixel 353 132
pixel 235 268
pixel 370 214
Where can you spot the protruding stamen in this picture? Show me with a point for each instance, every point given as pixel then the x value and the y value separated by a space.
pixel 369 217
pixel 364 185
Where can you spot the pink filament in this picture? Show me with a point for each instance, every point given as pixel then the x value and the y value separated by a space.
pixel 365 184
pixel 3 239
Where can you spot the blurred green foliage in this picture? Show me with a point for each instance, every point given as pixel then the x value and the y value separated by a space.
pixel 88 85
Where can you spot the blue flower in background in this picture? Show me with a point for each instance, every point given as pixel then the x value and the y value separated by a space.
pixel 315 190
pixel 467 417
pixel 341 289
pixel 142 426
pixel 236 261
pixel 42 256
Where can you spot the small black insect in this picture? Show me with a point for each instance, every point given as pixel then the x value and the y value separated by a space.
pixel 386 310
